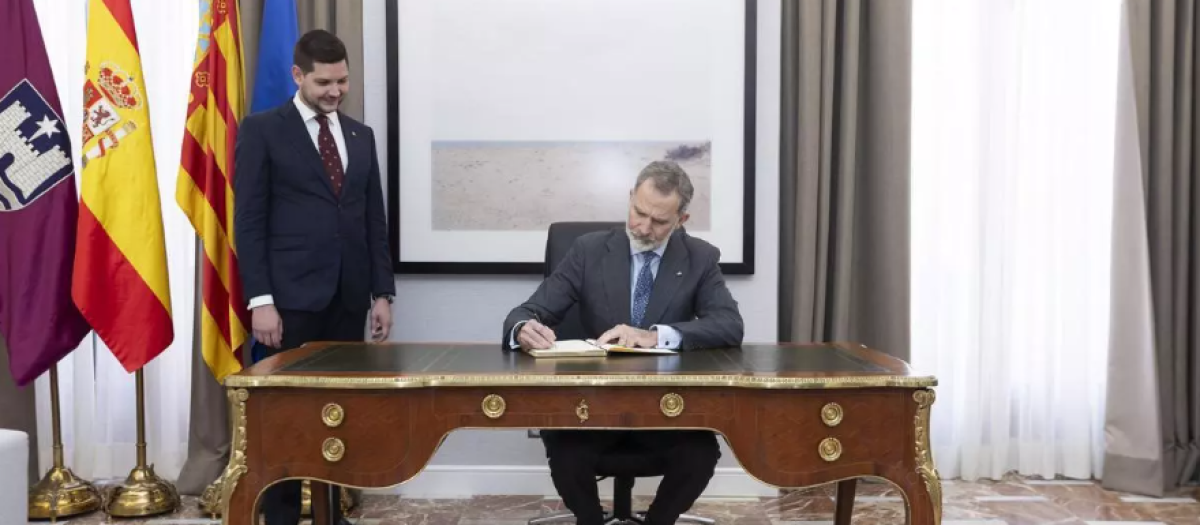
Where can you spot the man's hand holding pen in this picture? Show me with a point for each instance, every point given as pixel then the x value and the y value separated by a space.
pixel 535 336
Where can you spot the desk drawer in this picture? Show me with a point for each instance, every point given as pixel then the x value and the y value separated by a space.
pixel 351 431
pixel 832 427
pixel 583 407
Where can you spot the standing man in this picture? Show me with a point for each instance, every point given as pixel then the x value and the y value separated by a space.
pixel 311 230
pixel 647 285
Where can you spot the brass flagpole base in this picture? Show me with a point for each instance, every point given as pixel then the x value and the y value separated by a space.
pixel 61 494
pixel 142 494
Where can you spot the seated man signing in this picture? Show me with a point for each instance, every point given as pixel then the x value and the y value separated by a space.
pixel 651 285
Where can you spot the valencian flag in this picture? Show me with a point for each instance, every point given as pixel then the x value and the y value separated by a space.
pixel 205 186
pixel 120 280
pixel 38 206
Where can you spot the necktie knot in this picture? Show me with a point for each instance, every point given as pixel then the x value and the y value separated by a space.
pixel 323 120
pixel 648 257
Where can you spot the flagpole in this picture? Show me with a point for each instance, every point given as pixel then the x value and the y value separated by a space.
pixel 143 493
pixel 60 493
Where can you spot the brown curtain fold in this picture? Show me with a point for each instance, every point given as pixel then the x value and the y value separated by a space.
pixel 209 432
pixel 1159 38
pixel 18 411
pixel 844 172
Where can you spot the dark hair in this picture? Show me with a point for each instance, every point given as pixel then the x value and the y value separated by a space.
pixel 667 177
pixel 318 45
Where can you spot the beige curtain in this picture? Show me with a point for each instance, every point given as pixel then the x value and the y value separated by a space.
pixel 17 410
pixel 208 442
pixel 1154 358
pixel 844 172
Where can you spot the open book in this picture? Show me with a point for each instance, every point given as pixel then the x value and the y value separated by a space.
pixel 589 348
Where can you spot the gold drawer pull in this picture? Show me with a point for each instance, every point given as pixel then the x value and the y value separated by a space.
pixel 830 449
pixel 832 414
pixel 582 411
pixel 333 449
pixel 333 415
pixel 493 406
pixel 671 405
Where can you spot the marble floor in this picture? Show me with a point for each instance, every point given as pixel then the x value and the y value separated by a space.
pixel 1013 501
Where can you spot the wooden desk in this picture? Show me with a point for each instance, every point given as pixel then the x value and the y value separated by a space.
pixel 371 416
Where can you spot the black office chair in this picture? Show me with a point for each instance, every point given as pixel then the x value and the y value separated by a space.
pixel 623 466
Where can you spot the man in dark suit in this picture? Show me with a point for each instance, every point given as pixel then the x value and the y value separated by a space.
pixel 651 285
pixel 311 230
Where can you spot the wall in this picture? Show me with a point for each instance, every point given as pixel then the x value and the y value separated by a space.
pixel 471 308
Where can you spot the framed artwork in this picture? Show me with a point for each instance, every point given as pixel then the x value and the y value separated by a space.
pixel 508 115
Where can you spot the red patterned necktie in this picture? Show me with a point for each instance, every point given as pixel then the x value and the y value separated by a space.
pixel 329 155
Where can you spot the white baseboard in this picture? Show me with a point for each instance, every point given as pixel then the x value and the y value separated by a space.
pixel 464 481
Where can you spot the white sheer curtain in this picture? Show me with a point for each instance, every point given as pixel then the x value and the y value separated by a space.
pixel 1013 137
pixel 96 394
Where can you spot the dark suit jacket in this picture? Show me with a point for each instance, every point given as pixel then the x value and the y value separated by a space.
pixel 689 291
pixel 296 239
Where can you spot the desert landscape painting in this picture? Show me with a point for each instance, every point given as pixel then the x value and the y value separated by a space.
pixel 526 186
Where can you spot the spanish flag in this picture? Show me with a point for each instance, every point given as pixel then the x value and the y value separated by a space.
pixel 120 272
pixel 205 184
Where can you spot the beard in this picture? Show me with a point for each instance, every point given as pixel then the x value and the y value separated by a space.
pixel 316 103
pixel 640 244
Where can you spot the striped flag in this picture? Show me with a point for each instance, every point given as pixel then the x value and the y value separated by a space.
pixel 205 185
pixel 120 273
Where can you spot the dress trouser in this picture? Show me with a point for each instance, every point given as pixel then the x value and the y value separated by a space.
pixel 689 457
pixel 337 322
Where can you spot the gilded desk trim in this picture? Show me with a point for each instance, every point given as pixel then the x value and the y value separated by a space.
pixel 498 380
pixel 924 453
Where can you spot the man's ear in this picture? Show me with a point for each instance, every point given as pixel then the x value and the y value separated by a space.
pixel 297 75
pixel 683 218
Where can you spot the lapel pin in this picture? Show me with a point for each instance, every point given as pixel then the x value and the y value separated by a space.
pixel 353 133
pixel 678 274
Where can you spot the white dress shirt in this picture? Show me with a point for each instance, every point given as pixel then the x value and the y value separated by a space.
pixel 309 116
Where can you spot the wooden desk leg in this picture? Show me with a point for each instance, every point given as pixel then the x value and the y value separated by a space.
pixel 241 509
pixel 845 501
pixel 322 509
pixel 923 487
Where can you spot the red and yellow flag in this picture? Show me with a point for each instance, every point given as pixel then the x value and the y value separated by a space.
pixel 205 185
pixel 120 272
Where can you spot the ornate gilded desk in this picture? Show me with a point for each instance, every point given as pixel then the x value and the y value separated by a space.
pixel 372 415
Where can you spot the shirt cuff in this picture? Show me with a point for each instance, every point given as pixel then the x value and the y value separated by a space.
pixel 512 336
pixel 261 300
pixel 668 337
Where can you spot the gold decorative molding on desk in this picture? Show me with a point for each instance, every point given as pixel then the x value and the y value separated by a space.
pixel 333 449
pixel 929 474
pixel 333 415
pixel 582 411
pixel 831 414
pixel 493 406
pixel 671 404
pixel 706 380
pixel 830 449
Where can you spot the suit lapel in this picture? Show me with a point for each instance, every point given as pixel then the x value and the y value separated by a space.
pixel 616 276
pixel 302 144
pixel 356 146
pixel 668 279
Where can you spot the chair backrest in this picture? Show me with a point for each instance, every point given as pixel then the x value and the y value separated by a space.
pixel 559 239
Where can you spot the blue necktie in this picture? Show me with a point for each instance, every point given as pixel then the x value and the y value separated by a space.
pixel 641 292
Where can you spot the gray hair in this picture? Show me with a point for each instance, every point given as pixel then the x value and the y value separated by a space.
pixel 668 177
